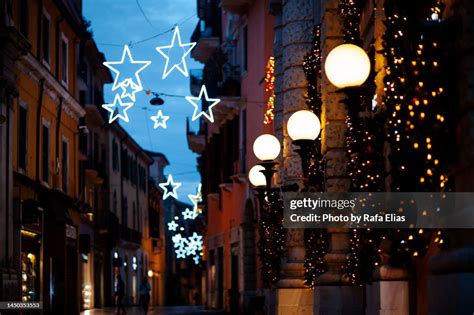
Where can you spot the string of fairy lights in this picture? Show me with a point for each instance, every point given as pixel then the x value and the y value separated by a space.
pixel 270 89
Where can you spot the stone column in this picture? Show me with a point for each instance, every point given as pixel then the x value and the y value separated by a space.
pixel 294 29
pixel 451 286
pixel 334 295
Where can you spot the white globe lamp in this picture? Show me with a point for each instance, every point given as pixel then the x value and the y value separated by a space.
pixel 256 177
pixel 347 65
pixel 303 125
pixel 266 147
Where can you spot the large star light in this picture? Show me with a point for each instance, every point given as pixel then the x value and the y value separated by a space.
pixel 211 101
pixel 170 188
pixel 127 66
pixel 118 110
pixel 165 50
pixel 160 120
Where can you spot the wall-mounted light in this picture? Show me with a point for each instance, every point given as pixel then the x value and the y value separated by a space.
pixel 303 128
pixel 347 65
pixel 267 148
pixel 256 177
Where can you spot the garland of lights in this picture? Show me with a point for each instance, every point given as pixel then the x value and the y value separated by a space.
pixel 272 237
pixel 270 88
pixel 316 240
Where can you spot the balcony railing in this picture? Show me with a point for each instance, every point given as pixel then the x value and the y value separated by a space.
pixel 236 6
pixel 130 235
pixel 207 41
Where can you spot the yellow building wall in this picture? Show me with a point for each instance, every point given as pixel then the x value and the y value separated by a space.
pixel 29 93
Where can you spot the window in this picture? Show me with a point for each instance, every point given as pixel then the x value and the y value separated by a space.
pixel 245 49
pixel 46 38
pixel 115 162
pixel 45 154
pixel 65 165
pixel 24 17
pixel 22 140
pixel 64 58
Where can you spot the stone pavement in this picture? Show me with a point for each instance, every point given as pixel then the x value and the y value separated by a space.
pixel 160 310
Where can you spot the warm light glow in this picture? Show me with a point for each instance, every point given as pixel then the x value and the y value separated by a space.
pixel 150 273
pixel 303 125
pixel 256 178
pixel 347 65
pixel 266 147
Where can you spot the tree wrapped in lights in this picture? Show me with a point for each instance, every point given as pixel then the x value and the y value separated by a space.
pixel 418 120
pixel 272 237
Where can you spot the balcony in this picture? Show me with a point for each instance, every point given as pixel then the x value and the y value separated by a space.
pixel 195 82
pixel 207 41
pixel 196 140
pixel 129 235
pixel 107 225
pixel 237 6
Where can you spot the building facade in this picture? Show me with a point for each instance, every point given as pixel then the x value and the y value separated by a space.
pixel 402 39
pixel 44 117
pixel 234 42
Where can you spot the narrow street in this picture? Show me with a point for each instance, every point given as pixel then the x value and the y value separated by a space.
pixel 175 310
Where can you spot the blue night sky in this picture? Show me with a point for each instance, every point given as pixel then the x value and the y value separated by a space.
pixel 118 22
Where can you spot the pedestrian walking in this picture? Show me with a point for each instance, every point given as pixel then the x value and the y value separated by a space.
pixel 145 294
pixel 119 290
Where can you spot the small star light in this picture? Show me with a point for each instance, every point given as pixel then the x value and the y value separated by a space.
pixel 125 66
pixel 196 259
pixel 118 110
pixel 129 89
pixel 172 226
pixel 181 65
pixel 189 215
pixel 211 101
pixel 195 199
pixel 180 253
pixel 170 184
pixel 160 120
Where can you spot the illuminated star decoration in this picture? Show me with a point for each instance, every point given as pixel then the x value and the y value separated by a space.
pixel 172 226
pixel 118 110
pixel 186 50
pixel 196 259
pixel 125 66
pixel 181 253
pixel 160 120
pixel 211 101
pixel 170 188
pixel 189 215
pixel 129 89
pixel 195 199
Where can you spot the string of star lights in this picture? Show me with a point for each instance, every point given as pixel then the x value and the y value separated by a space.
pixel 191 246
pixel 270 88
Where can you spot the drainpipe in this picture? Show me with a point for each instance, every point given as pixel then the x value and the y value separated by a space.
pixel 38 118
pixel 7 186
pixel 58 124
